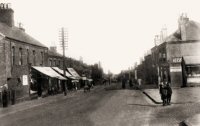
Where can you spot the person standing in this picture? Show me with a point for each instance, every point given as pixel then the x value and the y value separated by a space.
pixel 123 82
pixel 169 93
pixel 5 97
pixel 12 96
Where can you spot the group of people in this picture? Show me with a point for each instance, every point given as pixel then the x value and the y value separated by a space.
pixel 165 92
pixel 131 82
pixel 7 96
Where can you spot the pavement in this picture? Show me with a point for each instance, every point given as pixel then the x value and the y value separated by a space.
pixel 180 96
pixel 28 104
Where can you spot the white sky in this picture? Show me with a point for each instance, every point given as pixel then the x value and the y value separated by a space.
pixel 115 32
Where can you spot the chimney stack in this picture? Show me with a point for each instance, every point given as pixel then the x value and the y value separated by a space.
pixel 6 14
pixel 182 22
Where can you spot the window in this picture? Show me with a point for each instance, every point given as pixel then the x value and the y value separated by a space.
pixel 34 58
pixel 13 55
pixel 55 63
pixel 58 63
pixel 42 58
pixel 164 57
pixel 27 56
pixel 50 62
pixel 20 56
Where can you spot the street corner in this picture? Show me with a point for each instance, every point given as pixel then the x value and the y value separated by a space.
pixel 191 121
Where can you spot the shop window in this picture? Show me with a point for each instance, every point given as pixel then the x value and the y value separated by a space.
pixel 193 71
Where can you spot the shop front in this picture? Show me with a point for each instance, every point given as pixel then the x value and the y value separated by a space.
pixel 45 81
pixel 72 82
pixel 177 72
pixel 192 66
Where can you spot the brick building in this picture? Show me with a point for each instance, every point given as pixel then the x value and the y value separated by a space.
pixel 176 59
pixel 54 59
pixel 18 51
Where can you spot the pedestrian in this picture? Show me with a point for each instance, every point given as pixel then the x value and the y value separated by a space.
pixel 123 82
pixel 169 93
pixel 130 83
pixel 12 96
pixel 5 97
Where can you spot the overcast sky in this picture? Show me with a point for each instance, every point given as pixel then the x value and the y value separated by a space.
pixel 115 32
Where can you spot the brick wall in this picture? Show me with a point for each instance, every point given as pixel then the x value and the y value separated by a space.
pixel 2 63
pixel 12 74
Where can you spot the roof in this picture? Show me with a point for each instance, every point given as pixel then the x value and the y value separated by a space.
pixel 192 32
pixel 61 72
pixel 49 72
pixel 73 73
pixel 192 60
pixel 17 34
pixel 52 53
pixel 174 37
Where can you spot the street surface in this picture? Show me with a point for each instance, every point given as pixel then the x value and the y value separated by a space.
pixel 103 106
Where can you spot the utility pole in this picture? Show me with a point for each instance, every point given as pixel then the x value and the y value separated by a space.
pixel 64 41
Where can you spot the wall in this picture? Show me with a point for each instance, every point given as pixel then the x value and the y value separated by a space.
pixel 2 63
pixel 13 74
pixel 179 49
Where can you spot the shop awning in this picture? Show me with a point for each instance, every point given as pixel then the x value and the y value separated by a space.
pixel 61 72
pixel 49 72
pixel 192 60
pixel 74 73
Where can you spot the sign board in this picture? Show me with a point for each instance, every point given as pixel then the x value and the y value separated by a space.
pixel 25 79
pixel 175 69
pixel 177 60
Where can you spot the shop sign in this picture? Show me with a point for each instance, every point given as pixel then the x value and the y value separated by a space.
pixel 25 79
pixel 176 69
pixel 177 60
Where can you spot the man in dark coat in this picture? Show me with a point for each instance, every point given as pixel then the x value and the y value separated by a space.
pixel 5 98
pixel 169 93
pixel 123 82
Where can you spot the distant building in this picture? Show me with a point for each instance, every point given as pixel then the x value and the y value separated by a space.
pixel 54 58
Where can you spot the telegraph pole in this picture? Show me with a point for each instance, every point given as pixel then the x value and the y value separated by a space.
pixel 64 41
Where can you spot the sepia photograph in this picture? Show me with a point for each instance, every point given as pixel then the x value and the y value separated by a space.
pixel 99 63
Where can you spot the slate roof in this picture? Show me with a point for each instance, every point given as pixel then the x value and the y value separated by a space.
pixel 192 32
pixel 17 34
